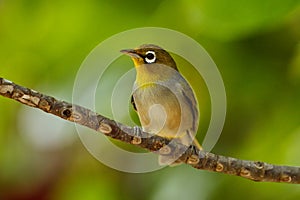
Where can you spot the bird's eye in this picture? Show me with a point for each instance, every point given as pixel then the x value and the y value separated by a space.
pixel 150 57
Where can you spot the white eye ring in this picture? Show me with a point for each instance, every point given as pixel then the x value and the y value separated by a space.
pixel 150 57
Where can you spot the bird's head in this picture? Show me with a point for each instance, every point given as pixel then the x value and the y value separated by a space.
pixel 149 54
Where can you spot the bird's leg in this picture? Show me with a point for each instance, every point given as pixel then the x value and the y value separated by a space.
pixel 137 135
pixel 193 159
pixel 137 131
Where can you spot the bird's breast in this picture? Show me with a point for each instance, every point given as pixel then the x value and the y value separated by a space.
pixel 161 110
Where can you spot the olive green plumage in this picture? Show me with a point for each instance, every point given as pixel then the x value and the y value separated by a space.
pixel 165 102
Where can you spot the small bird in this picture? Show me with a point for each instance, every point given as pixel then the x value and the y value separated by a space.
pixel 164 100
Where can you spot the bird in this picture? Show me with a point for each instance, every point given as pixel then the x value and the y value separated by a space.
pixel 163 99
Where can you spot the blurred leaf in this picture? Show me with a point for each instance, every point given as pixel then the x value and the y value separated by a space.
pixel 294 72
pixel 223 19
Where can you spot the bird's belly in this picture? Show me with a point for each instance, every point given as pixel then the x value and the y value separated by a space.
pixel 159 111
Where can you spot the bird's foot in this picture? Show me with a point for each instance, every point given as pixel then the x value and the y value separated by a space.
pixel 137 135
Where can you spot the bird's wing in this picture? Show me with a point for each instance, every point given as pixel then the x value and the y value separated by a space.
pixel 190 99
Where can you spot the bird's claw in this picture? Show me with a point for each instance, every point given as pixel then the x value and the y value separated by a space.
pixel 137 135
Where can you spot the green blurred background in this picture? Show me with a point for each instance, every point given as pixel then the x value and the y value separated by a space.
pixel 255 44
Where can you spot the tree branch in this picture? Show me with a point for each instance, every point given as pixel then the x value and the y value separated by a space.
pixel 253 170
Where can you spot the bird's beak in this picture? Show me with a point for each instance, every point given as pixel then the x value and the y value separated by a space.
pixel 131 52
